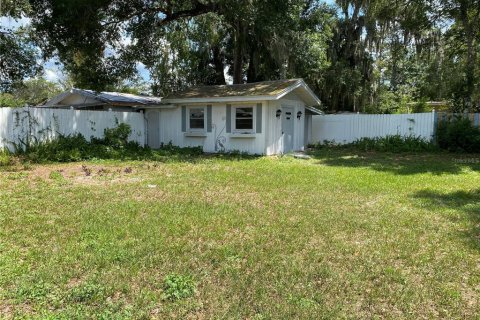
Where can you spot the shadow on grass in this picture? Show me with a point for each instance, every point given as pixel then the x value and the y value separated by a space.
pixel 467 202
pixel 401 163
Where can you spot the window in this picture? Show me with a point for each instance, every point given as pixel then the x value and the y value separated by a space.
pixel 197 119
pixel 244 119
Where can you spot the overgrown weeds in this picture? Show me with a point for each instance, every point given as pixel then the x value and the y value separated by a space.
pixel 72 148
pixel 5 157
pixel 113 146
pixel 176 287
pixel 391 143
pixel 459 135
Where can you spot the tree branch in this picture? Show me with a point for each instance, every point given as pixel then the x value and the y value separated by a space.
pixel 198 8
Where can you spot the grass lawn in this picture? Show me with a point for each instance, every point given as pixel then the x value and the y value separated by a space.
pixel 342 235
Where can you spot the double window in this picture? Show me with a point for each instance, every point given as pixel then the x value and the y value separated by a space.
pixel 196 119
pixel 243 119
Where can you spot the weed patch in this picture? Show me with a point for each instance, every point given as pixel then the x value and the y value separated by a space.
pixel 392 143
pixel 176 287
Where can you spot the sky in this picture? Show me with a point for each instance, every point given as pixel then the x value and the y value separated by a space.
pixel 53 68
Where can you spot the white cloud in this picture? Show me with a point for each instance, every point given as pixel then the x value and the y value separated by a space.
pixel 52 75
pixel 143 71
pixel 10 23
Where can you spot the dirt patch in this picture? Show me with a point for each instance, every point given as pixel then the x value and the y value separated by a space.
pixel 84 173
pixel 8 310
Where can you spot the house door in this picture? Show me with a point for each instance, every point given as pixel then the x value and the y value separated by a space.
pixel 287 128
pixel 153 129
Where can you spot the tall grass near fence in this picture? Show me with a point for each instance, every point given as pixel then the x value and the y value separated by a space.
pixel 113 145
pixel 458 134
pixel 390 143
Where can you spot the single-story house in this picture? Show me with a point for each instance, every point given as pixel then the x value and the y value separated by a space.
pixel 271 117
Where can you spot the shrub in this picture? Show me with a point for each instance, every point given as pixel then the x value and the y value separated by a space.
pixel 394 143
pixel 177 287
pixel 117 137
pixel 391 143
pixel 114 145
pixel 5 157
pixel 458 135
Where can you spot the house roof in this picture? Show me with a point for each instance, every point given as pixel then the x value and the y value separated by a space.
pixel 106 98
pixel 266 90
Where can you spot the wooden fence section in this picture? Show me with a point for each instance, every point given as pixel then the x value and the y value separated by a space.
pixel 347 128
pixel 23 125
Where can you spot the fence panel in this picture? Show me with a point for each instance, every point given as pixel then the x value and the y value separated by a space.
pixel 21 125
pixel 348 128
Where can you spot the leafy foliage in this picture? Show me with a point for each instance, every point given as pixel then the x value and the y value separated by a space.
pixel 459 135
pixel 114 145
pixel 5 157
pixel 391 143
pixel 394 143
pixel 176 287
pixel 368 56
pixel 31 92
pixel 17 59
pixel 70 148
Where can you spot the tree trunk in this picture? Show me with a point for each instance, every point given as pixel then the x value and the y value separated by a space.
pixel 219 67
pixel 238 53
pixel 471 53
pixel 252 67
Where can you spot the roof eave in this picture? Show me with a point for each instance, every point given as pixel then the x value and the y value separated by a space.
pixel 301 83
pixel 315 111
pixel 220 99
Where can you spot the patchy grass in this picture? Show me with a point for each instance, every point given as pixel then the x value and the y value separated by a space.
pixel 343 235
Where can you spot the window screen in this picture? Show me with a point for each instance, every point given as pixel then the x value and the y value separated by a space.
pixel 197 118
pixel 244 118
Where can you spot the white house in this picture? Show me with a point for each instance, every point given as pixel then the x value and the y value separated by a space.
pixel 271 117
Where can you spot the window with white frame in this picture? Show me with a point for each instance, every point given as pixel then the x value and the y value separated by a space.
pixel 196 119
pixel 243 119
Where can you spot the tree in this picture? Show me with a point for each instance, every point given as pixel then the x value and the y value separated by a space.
pixel 31 92
pixel 466 31
pixel 181 42
pixel 17 53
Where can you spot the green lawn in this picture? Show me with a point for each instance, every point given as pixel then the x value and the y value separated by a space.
pixel 342 235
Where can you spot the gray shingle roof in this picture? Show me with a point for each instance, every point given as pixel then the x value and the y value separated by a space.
pixel 123 98
pixel 266 88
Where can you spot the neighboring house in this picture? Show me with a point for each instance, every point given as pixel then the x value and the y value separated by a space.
pixel 271 117
pixel 90 100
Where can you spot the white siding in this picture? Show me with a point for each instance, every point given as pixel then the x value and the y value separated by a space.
pixel 348 128
pixel 22 124
pixel 273 129
pixel 274 136
pixel 171 131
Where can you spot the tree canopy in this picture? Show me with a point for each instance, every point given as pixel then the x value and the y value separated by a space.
pixel 357 55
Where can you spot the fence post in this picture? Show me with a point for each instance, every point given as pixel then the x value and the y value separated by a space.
pixel 477 119
pixel 435 124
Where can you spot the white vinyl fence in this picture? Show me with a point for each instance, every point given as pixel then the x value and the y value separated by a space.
pixel 22 125
pixel 347 128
